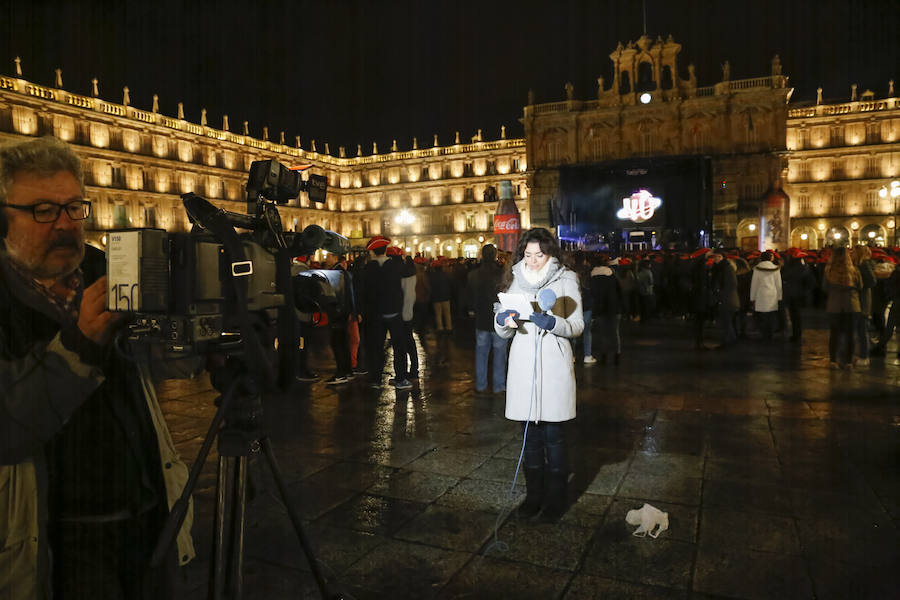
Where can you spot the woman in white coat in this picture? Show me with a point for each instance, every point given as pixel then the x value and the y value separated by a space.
pixel 540 382
pixel 765 294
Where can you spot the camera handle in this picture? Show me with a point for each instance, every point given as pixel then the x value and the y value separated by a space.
pixel 235 426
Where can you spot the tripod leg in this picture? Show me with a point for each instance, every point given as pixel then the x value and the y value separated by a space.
pixel 218 566
pixel 237 539
pixel 179 509
pixel 294 516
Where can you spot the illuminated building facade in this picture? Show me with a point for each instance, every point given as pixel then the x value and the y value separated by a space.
pixel 843 170
pixel 438 200
pixel 718 153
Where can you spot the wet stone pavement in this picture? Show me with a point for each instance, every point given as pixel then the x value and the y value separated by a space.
pixel 780 477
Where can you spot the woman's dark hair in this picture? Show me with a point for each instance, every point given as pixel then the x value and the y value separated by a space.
pixel 548 244
pixel 545 240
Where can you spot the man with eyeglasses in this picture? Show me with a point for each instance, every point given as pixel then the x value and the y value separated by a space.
pixel 87 467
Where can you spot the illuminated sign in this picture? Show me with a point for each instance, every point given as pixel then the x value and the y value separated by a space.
pixel 639 206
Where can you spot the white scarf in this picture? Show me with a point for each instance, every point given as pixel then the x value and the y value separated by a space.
pixel 535 277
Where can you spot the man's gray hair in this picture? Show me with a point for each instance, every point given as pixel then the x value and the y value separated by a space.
pixel 43 156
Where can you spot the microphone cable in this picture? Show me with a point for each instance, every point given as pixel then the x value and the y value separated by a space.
pixel 508 506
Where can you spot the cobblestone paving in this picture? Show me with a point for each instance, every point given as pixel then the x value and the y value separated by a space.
pixel 780 477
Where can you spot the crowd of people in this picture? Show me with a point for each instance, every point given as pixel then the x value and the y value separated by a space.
pixel 725 294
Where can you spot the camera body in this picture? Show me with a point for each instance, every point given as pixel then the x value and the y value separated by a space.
pixel 188 290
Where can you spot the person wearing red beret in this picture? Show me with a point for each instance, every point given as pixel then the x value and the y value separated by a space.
pixel 382 306
pixel 797 284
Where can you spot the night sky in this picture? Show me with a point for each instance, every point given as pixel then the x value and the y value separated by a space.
pixel 355 72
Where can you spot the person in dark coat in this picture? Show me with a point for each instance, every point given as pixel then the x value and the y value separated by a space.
pixel 725 284
pixel 382 308
pixel 797 283
pixel 481 287
pixel 646 291
pixel 892 293
pixel 606 294
pixel 583 269
pixel 744 273
pixel 701 301
pixel 441 293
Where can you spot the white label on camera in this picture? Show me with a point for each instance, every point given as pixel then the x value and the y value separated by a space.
pixel 122 271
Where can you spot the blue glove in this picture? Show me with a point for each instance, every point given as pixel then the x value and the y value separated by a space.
pixel 544 321
pixel 502 316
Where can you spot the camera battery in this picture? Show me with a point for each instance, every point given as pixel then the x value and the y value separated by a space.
pixel 137 267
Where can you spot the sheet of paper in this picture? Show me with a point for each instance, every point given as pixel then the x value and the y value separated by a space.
pixel 517 302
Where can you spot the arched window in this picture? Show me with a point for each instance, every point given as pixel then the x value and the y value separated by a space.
pixel 645 81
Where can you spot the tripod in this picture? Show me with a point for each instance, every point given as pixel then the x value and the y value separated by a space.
pixel 236 425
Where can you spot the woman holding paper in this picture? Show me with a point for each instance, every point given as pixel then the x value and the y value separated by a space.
pixel 540 381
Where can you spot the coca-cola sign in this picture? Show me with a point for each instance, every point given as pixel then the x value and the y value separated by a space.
pixel 506 224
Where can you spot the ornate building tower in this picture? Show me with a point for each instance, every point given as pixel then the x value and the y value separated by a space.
pixel 732 134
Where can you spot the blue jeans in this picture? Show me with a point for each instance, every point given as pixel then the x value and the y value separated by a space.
pixel 484 341
pixel 586 336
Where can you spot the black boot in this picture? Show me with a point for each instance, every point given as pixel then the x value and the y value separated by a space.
pixel 555 497
pixel 534 492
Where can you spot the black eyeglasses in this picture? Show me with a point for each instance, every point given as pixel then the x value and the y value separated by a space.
pixel 48 212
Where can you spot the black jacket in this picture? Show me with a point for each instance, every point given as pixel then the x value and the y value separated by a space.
pixel 606 292
pixel 382 292
pixel 440 284
pixel 797 281
pixel 482 293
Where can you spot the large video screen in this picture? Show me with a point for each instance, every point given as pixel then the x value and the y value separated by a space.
pixel 670 195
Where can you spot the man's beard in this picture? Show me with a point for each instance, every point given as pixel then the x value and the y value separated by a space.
pixel 39 266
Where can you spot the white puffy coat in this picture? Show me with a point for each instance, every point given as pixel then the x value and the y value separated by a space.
pixel 554 372
pixel 765 287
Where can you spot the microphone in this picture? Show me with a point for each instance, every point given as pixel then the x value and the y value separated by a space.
pixel 546 299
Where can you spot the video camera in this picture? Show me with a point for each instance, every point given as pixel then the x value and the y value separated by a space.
pixel 202 290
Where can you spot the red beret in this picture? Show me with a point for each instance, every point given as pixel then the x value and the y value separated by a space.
pixel 625 261
pixel 700 252
pixel 394 251
pixel 379 241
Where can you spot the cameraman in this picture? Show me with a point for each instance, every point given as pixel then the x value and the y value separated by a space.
pixel 87 467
